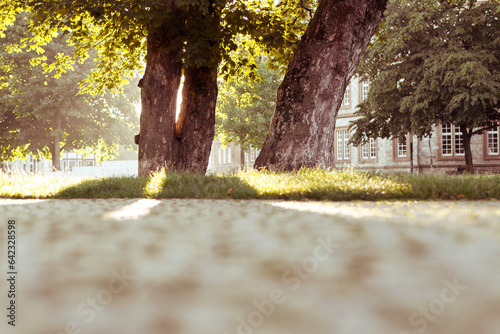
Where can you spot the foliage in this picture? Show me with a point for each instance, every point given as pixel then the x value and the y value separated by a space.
pixel 245 107
pixel 305 184
pixel 269 27
pixel 32 102
pixel 438 62
pixel 117 29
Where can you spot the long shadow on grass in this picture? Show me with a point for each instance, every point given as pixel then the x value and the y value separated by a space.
pixel 187 185
pixel 162 185
pixel 108 187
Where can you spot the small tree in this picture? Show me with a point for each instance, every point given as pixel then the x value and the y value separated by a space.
pixel 436 62
pixel 43 115
pixel 245 107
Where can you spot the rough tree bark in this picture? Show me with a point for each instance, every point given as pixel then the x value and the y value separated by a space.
pixel 308 99
pixel 183 145
pixel 160 84
pixel 195 126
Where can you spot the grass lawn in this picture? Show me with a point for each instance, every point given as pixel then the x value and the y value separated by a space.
pixel 306 184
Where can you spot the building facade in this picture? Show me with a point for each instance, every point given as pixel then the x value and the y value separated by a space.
pixel 69 160
pixel 442 153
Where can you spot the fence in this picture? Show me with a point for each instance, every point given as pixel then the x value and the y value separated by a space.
pixel 109 168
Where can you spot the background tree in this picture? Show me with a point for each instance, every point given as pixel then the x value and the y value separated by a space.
pixel 438 62
pixel 245 107
pixel 308 99
pixel 43 115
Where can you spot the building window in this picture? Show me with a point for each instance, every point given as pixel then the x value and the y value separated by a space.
pixel 347 147
pixel 224 156
pixel 340 145
pixel 452 141
pixel 364 151
pixel 446 142
pixel 459 141
pixel 343 149
pixel 365 87
pixel 219 156
pixel 402 148
pixel 347 96
pixel 373 149
pixel 369 150
pixel 229 158
pixel 493 140
pixel 252 154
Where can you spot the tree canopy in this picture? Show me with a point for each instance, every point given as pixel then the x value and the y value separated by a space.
pixel 43 115
pixel 435 62
pixel 117 29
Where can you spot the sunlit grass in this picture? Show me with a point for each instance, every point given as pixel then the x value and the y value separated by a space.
pixel 155 183
pixel 305 184
pixel 187 185
pixel 319 184
pixel 35 186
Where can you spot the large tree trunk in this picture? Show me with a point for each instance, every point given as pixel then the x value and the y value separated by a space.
pixel 183 145
pixel 160 85
pixel 308 99
pixel 195 126
pixel 466 135
pixel 55 147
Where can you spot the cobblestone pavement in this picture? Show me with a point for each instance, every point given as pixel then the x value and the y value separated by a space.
pixel 139 266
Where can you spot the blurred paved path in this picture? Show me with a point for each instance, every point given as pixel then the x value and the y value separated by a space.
pixel 142 266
